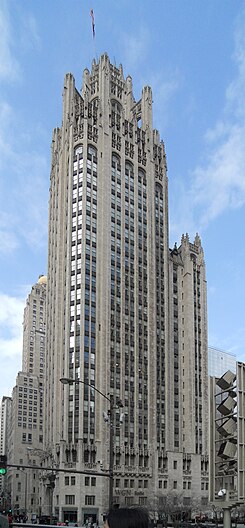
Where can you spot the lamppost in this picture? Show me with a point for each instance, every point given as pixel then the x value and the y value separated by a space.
pixel 109 418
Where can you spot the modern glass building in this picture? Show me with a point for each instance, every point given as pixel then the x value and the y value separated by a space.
pixel 220 361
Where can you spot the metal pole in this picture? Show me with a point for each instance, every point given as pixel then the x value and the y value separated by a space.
pixel 69 381
pixel 226 518
pixel 111 455
pixel 51 504
pixel 26 493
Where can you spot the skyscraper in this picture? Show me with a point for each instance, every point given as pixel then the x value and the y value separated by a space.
pixel 34 329
pixel 124 313
pixel 5 419
pixel 26 424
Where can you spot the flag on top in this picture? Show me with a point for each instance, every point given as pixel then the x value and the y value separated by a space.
pixel 92 20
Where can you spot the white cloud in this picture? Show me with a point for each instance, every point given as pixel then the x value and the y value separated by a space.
pixel 235 91
pixel 219 183
pixel 231 343
pixel 24 210
pixel 6 117
pixel 135 46
pixel 164 85
pixel 30 37
pixel 25 39
pixel 11 347
pixel 11 338
pixel 9 67
pixel 11 317
pixel 8 241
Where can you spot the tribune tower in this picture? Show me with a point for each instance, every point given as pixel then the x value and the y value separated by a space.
pixel 124 313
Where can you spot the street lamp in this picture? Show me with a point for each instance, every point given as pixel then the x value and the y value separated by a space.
pixel 108 418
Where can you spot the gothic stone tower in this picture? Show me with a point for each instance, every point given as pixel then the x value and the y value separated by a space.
pixel 110 297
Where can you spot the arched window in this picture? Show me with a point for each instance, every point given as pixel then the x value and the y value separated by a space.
pixel 116 162
pixel 92 151
pixel 142 176
pixel 129 169
pixel 78 150
pixel 77 164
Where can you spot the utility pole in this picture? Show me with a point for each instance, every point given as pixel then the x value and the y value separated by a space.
pixel 111 454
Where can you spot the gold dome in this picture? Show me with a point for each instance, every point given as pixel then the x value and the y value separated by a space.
pixel 42 279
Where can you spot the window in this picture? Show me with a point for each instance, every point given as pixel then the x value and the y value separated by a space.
pixel 145 483
pixel 86 481
pixel 93 481
pixel 66 481
pixel 142 501
pixel 69 499
pixel 89 500
pixel 175 464
pixel 175 484
pixel 73 481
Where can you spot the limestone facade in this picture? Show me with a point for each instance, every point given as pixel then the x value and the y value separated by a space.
pixel 124 312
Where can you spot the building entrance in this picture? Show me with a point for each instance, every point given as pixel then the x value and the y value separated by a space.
pixel 69 515
pixel 89 519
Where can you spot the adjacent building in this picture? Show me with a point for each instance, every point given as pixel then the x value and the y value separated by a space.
pixel 220 361
pixel 34 328
pixel 125 313
pixel 5 421
pixel 25 434
pixel 26 424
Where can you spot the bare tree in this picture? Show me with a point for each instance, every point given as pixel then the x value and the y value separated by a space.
pixel 174 507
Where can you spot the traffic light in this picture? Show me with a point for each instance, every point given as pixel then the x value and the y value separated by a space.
pixel 3 464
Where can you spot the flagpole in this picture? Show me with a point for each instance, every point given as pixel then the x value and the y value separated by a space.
pixel 93 30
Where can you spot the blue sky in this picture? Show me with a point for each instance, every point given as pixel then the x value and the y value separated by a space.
pixel 192 53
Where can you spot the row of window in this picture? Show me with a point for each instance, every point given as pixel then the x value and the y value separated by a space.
pixel 89 500
pixel 160 306
pixel 90 288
